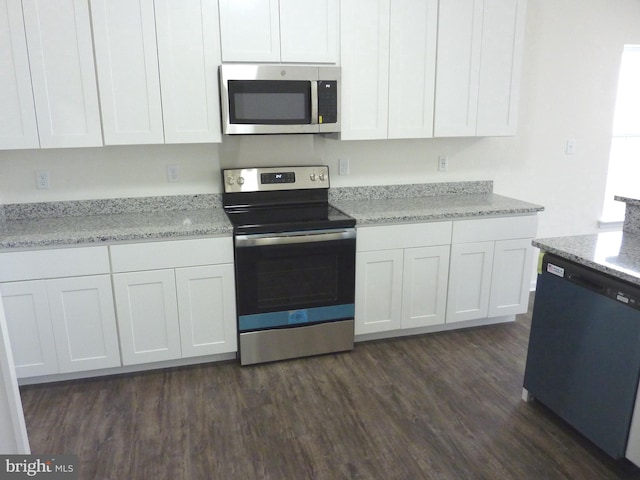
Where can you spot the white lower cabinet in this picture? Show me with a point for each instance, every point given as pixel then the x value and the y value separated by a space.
pixel 206 308
pixel 378 291
pixel 175 299
pixel 511 277
pixel 26 307
pixel 469 281
pixel 147 316
pixel 429 274
pixel 401 276
pixel 61 325
pixel 490 271
pixel 424 291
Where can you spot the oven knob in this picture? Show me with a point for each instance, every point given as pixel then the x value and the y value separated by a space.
pixel 230 180
pixel 240 180
pixel 312 177
pixel 322 177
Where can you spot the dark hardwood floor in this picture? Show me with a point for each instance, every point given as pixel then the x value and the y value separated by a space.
pixel 439 406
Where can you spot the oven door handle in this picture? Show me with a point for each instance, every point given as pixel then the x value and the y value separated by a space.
pixel 293 237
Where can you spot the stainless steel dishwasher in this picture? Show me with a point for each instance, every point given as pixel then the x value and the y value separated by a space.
pixel 583 360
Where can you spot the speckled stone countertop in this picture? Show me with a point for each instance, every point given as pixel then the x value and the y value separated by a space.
pixel 613 253
pixel 426 202
pixel 155 218
pixel 104 221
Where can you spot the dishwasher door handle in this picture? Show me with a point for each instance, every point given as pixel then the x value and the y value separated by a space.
pixel 586 283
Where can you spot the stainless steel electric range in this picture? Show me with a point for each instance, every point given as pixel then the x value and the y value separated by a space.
pixel 295 263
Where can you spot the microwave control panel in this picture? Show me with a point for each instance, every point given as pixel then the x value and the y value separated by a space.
pixel 327 101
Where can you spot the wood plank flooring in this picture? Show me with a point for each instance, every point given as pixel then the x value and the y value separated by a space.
pixel 438 406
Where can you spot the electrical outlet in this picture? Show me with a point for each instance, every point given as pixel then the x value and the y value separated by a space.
pixel 570 147
pixel 443 163
pixel 343 166
pixel 173 173
pixel 42 179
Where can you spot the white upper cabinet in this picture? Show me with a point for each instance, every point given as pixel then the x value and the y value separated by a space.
pixel 364 52
pixel 412 68
pixel 62 72
pixel 48 92
pixel 189 55
pixel 502 47
pixel 157 69
pixel 18 128
pixel 296 31
pixel 388 60
pixel 250 30
pixel 309 31
pixel 127 63
pixel 479 58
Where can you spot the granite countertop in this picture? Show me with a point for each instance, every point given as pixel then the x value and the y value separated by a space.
pixel 157 218
pixel 433 208
pixel 613 253
pixel 105 221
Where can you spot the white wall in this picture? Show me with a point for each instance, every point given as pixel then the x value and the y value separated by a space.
pixel 572 55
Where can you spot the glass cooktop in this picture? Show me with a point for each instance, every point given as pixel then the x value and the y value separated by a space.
pixel 272 219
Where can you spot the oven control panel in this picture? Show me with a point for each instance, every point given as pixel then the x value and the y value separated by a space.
pixel 275 178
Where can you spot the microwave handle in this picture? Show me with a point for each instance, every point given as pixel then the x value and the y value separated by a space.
pixel 314 102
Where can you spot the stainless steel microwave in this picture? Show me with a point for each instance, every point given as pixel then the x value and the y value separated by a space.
pixel 263 99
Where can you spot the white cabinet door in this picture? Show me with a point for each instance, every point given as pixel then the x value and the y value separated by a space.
pixel 189 55
pixel 469 281
pixel 412 69
pixel 378 291
pixel 18 128
pixel 206 306
pixel 511 278
pixel 480 44
pixel 127 64
pixel 458 67
pixel 309 31
pixel 364 52
pixel 26 307
pixel 63 72
pixel 502 46
pixel 424 286
pixel 250 30
pixel 147 313
pixel 84 323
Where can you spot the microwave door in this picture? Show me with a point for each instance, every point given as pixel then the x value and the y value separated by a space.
pixel 271 106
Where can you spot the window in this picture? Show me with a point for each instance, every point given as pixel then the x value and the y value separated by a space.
pixel 624 159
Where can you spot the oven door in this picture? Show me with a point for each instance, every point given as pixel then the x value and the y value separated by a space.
pixel 294 278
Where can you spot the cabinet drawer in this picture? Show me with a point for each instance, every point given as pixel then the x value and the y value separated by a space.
pixel 387 237
pixel 487 229
pixel 63 262
pixel 171 254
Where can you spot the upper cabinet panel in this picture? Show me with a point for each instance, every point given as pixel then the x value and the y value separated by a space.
pixel 479 60
pixel 364 50
pixel 250 30
pixel 502 48
pixel 18 128
pixel 127 63
pixel 309 31
pixel 412 68
pixel 189 55
pixel 62 72
pixel 458 67
pixel 295 31
pixel 388 55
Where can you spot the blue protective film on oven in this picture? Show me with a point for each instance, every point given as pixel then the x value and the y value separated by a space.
pixel 261 321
